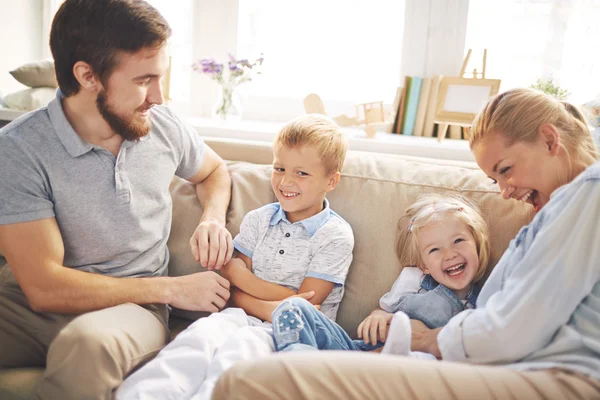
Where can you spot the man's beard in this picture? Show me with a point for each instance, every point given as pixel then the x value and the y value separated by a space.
pixel 128 130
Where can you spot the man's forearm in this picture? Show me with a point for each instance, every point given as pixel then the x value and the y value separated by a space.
pixel 251 305
pixel 214 194
pixel 68 291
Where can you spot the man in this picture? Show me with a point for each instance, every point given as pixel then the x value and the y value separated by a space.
pixel 85 209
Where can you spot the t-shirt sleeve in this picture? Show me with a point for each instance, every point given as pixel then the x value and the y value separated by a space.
pixel 192 149
pixel 245 242
pixel 408 282
pixel 24 191
pixel 333 257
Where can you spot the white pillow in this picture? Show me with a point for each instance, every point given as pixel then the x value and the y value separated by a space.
pixel 30 99
pixel 36 74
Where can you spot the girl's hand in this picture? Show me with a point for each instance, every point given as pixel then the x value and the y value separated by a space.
pixel 374 327
pixel 425 339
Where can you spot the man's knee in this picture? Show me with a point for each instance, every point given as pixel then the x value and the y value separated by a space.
pixel 86 340
pixel 99 354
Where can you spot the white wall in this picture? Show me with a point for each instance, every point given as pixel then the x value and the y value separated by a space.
pixel 21 23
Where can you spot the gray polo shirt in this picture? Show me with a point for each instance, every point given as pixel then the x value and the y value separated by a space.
pixel 285 253
pixel 114 213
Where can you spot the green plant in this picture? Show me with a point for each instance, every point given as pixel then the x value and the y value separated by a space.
pixel 548 86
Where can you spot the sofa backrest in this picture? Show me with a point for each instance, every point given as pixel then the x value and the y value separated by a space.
pixel 373 193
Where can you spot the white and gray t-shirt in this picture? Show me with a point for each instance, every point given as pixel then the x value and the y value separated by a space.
pixel 285 253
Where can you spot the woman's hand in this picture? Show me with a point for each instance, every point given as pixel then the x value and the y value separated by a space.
pixel 375 327
pixel 424 339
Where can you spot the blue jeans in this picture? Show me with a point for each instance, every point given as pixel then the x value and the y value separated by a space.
pixel 298 325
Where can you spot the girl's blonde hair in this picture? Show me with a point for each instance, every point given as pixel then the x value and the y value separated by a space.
pixel 518 114
pixel 435 207
pixel 320 132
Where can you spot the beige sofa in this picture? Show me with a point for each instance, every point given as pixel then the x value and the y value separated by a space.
pixel 373 192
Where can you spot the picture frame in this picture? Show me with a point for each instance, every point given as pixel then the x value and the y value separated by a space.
pixel 460 99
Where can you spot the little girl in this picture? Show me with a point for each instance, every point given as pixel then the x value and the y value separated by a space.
pixel 447 240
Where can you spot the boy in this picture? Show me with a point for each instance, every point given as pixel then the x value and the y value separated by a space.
pixel 297 245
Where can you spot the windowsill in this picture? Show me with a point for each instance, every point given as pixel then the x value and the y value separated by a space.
pixel 449 149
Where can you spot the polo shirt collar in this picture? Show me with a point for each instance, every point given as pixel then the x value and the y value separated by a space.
pixel 73 143
pixel 311 224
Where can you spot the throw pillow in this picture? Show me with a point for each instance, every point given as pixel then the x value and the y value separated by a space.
pixel 30 99
pixel 36 74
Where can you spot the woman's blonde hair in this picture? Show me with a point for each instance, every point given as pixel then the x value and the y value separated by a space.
pixel 518 114
pixel 435 207
pixel 318 131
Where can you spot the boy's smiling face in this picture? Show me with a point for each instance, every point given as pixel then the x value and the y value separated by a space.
pixel 300 181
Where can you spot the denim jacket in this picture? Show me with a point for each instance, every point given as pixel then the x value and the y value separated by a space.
pixel 433 304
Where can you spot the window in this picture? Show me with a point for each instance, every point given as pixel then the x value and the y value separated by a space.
pixel 343 51
pixel 180 19
pixel 532 39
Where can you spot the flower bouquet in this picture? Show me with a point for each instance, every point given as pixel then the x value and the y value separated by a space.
pixel 228 105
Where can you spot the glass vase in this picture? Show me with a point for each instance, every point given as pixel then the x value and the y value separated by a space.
pixel 229 104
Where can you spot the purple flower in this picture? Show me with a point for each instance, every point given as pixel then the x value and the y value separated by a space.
pixel 239 70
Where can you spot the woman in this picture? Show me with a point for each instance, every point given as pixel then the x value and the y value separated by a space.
pixel 537 325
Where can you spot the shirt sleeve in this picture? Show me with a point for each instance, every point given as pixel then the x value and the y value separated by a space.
pixel 245 242
pixel 408 282
pixel 332 259
pixel 191 148
pixel 556 268
pixel 24 191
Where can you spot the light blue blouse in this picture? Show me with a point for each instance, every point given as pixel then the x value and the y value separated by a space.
pixel 540 307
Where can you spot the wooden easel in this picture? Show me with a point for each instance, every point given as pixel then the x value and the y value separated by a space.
pixel 443 127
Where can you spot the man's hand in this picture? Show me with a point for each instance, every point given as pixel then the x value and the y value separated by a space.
pixel 211 244
pixel 202 291
pixel 375 327
pixel 424 339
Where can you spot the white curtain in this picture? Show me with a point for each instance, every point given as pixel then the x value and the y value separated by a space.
pixel 532 39
pixel 49 8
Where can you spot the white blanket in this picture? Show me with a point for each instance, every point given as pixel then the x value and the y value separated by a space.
pixel 189 366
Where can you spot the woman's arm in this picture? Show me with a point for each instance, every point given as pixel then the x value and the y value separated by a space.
pixel 551 266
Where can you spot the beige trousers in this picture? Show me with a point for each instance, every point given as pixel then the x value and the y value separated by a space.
pixel 86 356
pixel 352 375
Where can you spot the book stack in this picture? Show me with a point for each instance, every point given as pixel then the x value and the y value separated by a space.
pixel 415 107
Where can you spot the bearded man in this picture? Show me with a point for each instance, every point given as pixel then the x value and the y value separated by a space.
pixel 85 208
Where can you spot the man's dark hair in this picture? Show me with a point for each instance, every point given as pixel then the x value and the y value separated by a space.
pixel 96 31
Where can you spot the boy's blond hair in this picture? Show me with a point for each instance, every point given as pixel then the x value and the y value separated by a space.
pixel 431 207
pixel 318 131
